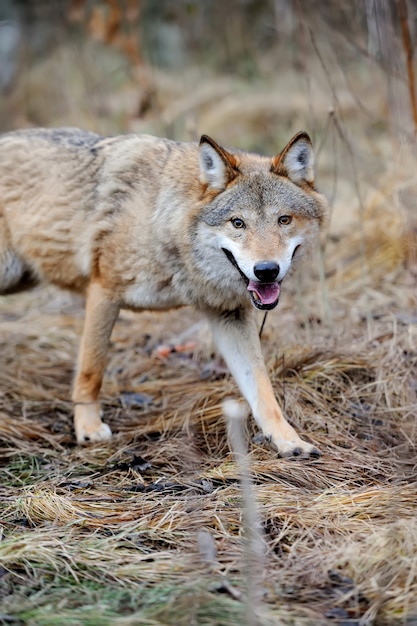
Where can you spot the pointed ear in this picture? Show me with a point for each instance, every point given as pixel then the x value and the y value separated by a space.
pixel 217 166
pixel 296 161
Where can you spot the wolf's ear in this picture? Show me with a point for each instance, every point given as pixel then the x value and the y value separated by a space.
pixel 296 161
pixel 217 166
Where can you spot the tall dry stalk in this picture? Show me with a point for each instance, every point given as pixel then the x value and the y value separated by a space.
pixel 236 414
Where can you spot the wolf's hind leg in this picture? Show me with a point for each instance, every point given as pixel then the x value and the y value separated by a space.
pixel 100 316
pixel 14 273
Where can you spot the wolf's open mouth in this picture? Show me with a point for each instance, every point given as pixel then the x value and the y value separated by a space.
pixel 264 296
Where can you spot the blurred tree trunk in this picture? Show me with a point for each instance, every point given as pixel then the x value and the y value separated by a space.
pixel 385 46
pixel 395 54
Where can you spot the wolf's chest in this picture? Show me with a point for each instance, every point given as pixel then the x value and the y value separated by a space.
pixel 154 295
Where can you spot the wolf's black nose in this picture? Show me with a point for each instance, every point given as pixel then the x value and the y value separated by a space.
pixel 266 271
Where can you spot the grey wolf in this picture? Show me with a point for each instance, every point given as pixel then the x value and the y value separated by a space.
pixel 147 223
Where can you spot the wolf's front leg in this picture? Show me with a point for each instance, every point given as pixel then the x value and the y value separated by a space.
pixel 236 336
pixel 100 314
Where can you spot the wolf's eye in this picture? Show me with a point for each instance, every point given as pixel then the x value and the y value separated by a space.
pixel 284 220
pixel 238 223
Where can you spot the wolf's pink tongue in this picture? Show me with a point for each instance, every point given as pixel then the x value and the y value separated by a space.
pixel 267 292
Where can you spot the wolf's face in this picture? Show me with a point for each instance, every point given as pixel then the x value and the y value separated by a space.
pixel 261 216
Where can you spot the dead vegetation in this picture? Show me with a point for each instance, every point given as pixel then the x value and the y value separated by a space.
pixel 150 529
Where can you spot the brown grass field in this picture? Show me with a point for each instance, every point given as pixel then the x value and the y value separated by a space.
pixel 166 524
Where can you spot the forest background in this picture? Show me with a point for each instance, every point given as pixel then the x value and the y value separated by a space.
pixel 164 525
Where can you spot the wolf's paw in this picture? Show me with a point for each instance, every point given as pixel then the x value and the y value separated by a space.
pixel 88 425
pixel 92 434
pixel 297 449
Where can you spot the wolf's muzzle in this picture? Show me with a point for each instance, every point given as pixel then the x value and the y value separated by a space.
pixel 265 293
pixel 235 264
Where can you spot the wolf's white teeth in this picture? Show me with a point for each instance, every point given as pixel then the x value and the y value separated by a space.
pixel 255 296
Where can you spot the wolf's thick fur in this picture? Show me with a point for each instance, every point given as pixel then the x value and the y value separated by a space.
pixel 146 223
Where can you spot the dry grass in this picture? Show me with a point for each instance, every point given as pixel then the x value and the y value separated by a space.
pixel 109 534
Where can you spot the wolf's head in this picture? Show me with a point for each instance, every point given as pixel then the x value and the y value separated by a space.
pixel 258 214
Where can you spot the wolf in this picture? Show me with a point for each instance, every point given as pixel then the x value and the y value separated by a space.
pixel 140 222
